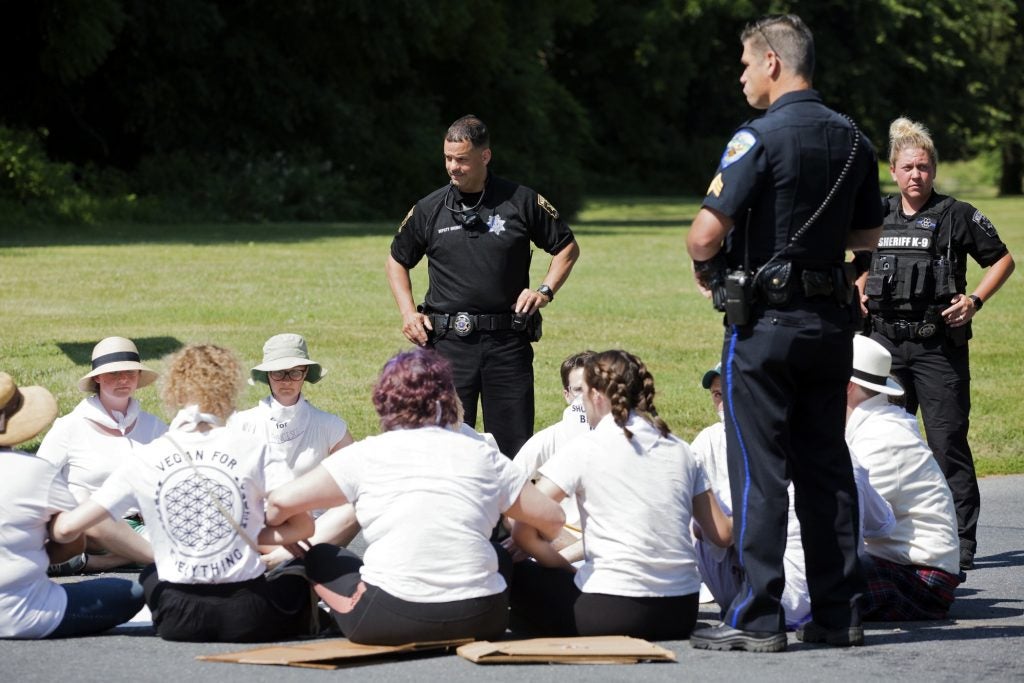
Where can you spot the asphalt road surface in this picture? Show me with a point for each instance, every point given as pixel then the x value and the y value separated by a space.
pixel 982 640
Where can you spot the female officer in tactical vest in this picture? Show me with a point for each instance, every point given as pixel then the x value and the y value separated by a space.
pixel 915 296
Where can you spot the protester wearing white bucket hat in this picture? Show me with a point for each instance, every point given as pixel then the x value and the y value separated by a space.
pixel 911 570
pixel 102 432
pixel 296 433
pixel 31 492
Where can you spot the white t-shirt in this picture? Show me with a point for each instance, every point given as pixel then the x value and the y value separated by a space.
pixel 545 443
pixel 636 502
pixel 427 500
pixel 31 492
pixel 886 440
pixel 710 449
pixel 301 435
pixel 87 444
pixel 192 541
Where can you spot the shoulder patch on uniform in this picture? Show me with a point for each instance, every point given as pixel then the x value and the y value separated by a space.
pixel 984 223
pixel 546 205
pixel 716 185
pixel 742 142
pixel 405 220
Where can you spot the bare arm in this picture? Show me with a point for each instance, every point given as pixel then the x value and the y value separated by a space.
pixel 704 241
pixel 61 552
pixel 715 525
pixel 295 528
pixel 337 526
pixel 530 300
pixel 68 526
pixel 539 520
pixel 346 440
pixel 313 490
pixel 414 323
pixel 963 309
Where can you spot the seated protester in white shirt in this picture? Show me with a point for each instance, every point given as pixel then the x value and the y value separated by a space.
pixel 427 498
pixel 638 488
pixel 295 431
pixel 720 567
pixel 32 491
pixel 201 488
pixel 911 571
pixel 545 443
pixel 104 431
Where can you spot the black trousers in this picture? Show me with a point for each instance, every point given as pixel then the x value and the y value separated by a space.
pixel 785 378
pixel 375 617
pixel 496 369
pixel 546 602
pixel 936 376
pixel 243 612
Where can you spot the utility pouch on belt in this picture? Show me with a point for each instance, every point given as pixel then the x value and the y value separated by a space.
pixel 535 327
pixel 775 282
pixel 817 283
pixel 738 297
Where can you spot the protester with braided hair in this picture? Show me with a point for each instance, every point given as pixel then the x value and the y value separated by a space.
pixel 638 488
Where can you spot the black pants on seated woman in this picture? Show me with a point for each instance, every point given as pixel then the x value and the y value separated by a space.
pixel 546 602
pixel 367 614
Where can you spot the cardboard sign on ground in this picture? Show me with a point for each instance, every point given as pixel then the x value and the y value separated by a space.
pixel 328 654
pixel 583 650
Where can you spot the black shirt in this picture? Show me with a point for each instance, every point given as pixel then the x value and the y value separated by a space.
pixel 781 166
pixel 483 272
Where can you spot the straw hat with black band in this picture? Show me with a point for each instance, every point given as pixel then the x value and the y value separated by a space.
pixel 24 412
pixel 871 366
pixel 115 354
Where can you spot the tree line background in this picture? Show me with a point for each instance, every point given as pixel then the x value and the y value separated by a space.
pixel 336 109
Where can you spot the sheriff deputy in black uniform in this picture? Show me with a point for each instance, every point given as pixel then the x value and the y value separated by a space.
pixel 795 188
pixel 480 311
pixel 915 295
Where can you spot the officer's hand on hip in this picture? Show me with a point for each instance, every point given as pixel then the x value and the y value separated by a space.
pixel 960 313
pixel 416 328
pixel 530 301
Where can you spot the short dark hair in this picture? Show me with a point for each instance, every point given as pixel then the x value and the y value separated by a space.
pixel 470 128
pixel 576 360
pixel 416 389
pixel 787 36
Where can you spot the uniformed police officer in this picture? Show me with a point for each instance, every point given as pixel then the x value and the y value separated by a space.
pixel 479 310
pixel 794 189
pixel 915 296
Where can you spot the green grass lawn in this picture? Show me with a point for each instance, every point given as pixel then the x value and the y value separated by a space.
pixel 65 288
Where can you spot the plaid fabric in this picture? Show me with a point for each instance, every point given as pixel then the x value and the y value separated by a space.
pixel 905 592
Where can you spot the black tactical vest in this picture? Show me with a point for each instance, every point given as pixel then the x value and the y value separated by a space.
pixel 911 272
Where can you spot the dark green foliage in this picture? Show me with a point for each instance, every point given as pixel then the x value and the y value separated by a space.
pixel 330 109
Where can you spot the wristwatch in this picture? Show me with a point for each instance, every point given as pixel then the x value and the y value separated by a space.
pixel 547 291
pixel 977 301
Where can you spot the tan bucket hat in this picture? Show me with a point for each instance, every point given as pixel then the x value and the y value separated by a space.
pixel 282 352
pixel 24 412
pixel 871 366
pixel 114 354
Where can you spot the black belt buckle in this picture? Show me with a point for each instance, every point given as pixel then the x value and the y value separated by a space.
pixel 463 324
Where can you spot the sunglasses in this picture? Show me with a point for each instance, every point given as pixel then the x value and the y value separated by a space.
pixel 295 374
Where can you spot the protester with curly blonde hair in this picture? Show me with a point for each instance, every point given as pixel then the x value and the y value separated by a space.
pixel 202 488
pixel 638 488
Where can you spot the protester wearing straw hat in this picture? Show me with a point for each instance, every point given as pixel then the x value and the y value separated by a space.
pixel 294 431
pixel 912 570
pixel 91 441
pixel 202 488
pixel 31 492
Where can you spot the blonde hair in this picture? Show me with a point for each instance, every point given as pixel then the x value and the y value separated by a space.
pixel 203 374
pixel 907 134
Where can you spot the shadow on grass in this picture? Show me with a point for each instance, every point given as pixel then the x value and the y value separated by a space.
pixel 150 348
pixel 185 233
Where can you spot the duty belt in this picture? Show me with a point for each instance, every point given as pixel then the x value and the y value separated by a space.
pixel 903 330
pixel 463 324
